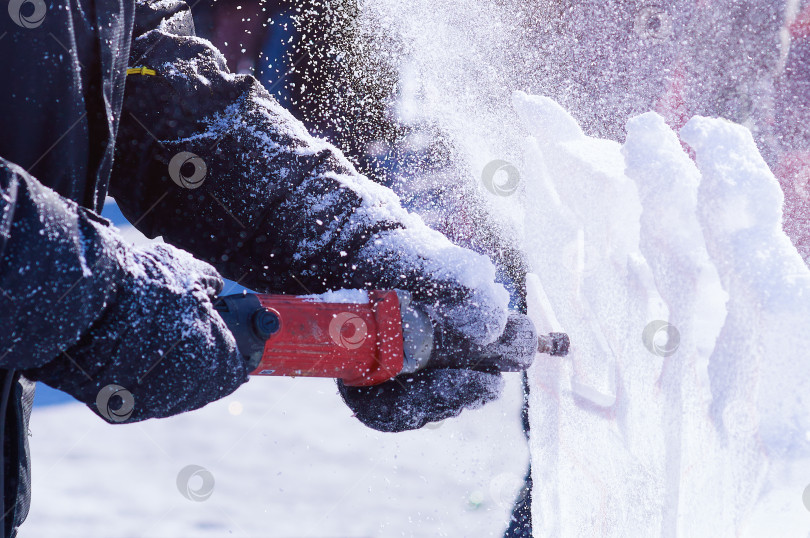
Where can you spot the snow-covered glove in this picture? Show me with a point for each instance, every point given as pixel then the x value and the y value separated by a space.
pixel 461 374
pixel 276 209
pixel 159 338
pixel 412 400
pixel 84 310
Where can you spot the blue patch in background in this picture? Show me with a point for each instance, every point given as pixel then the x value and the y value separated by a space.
pixel 45 396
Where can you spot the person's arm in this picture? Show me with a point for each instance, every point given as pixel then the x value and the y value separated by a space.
pixel 273 207
pixel 278 210
pixel 83 310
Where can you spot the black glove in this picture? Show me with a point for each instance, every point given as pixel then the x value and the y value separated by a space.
pixel 83 310
pixel 291 214
pixel 461 374
pixel 159 340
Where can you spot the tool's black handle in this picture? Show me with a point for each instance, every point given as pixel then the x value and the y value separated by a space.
pixel 249 322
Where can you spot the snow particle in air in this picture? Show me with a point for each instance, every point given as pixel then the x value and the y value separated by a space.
pixel 235 408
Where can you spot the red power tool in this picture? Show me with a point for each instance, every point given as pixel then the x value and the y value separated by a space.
pixel 365 338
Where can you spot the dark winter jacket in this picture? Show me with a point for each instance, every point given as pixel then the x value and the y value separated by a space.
pixel 276 210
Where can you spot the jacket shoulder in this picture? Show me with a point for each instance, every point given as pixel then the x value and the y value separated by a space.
pixel 170 16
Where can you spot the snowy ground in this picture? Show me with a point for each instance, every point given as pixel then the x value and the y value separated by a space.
pixel 287 460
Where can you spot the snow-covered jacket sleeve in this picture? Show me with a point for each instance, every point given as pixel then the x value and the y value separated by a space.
pixel 57 273
pixel 271 206
pixel 83 310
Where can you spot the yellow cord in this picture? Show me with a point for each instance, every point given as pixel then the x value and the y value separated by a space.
pixel 140 71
